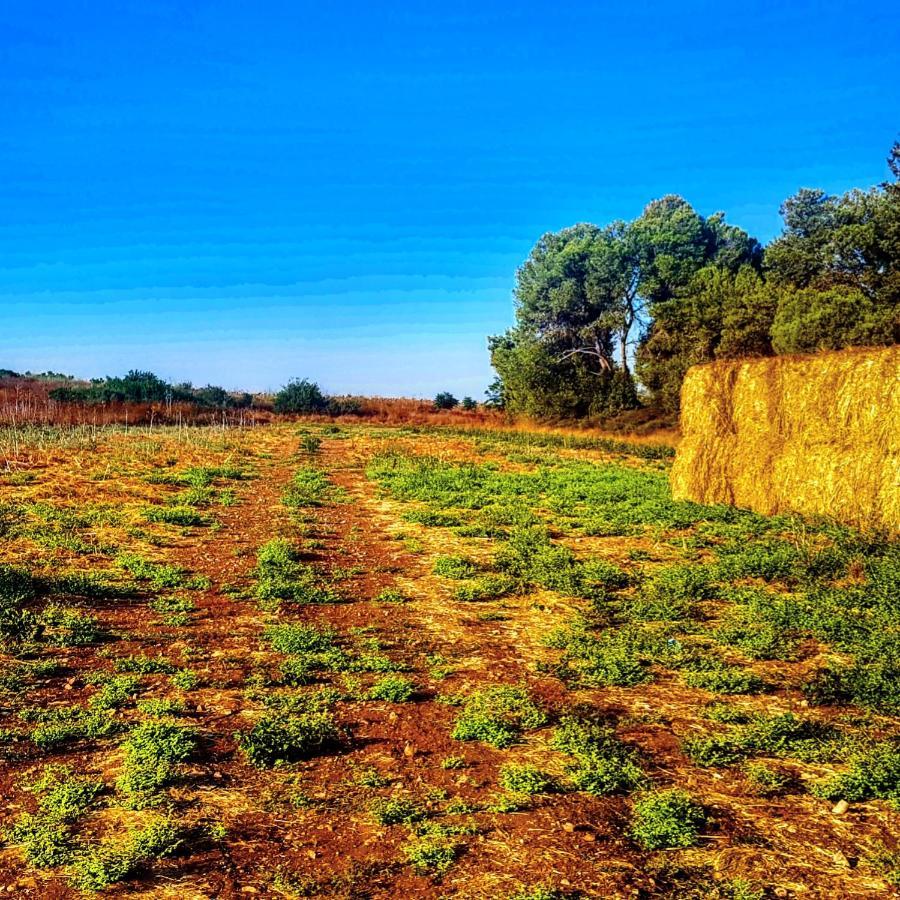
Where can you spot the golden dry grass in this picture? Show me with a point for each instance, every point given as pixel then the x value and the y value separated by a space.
pixel 819 435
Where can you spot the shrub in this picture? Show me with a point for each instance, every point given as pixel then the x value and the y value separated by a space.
pixel 712 751
pixel 431 854
pixel 393 689
pixel 468 404
pixel 300 396
pixel 872 774
pixel 604 765
pixel 455 567
pixel 498 716
pixel 185 516
pixel 445 400
pixel 523 779
pixel 276 739
pixel 152 751
pixel 667 819
pixel 117 859
pixel 396 811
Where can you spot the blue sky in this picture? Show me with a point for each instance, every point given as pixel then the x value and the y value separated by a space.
pixel 243 192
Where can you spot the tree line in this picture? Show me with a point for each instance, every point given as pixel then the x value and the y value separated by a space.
pixel 146 387
pixel 609 317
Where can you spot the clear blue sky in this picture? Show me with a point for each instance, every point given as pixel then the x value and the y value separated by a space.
pixel 240 192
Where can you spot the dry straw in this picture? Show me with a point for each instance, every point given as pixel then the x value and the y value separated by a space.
pixel 819 435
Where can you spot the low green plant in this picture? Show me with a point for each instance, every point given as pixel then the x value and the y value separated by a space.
pixel 498 716
pixel 431 854
pixel 396 811
pixel 185 516
pixel 281 576
pixel 117 858
pixel 764 780
pixel 872 774
pixel 525 779
pixel 713 750
pixel 152 752
pixel 603 764
pixel 667 819
pixel 65 626
pixel 393 689
pixel 277 739
pixel 455 567
pixel 115 691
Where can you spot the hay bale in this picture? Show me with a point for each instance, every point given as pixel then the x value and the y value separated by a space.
pixel 819 435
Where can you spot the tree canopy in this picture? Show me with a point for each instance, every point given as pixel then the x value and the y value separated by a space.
pixel 672 289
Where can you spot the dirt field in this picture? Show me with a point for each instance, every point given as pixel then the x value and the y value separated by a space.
pixel 312 661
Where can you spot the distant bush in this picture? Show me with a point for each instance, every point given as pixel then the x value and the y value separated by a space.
pixel 468 403
pixel 146 387
pixel 300 396
pixel 445 400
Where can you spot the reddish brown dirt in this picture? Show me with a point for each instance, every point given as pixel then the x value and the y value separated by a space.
pixel 329 846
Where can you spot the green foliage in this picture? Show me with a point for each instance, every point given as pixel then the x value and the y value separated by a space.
pixel 159 576
pixel 667 819
pixel 765 781
pixel 489 587
pixel 308 487
pixel 525 779
pixel 618 657
pixel 281 576
pixel 873 773
pixel 671 593
pixel 45 837
pixel 152 752
pixel 144 665
pixel 115 691
pixel 66 724
pixel 498 716
pixel 116 859
pixel 712 751
pixel 185 516
pixel 603 764
pixel 64 626
pixel 431 853
pixel 277 739
pixel 392 595
pixel 456 567
pixel 396 811
pixel 298 638
pixel 300 396
pixel 445 400
pixel 393 689
pixel 712 674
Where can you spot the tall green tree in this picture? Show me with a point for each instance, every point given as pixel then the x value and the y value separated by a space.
pixel 689 269
pixel 577 307
pixel 836 268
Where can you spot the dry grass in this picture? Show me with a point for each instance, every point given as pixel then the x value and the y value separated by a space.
pixel 814 434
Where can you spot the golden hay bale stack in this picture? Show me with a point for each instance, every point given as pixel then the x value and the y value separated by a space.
pixel 814 434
